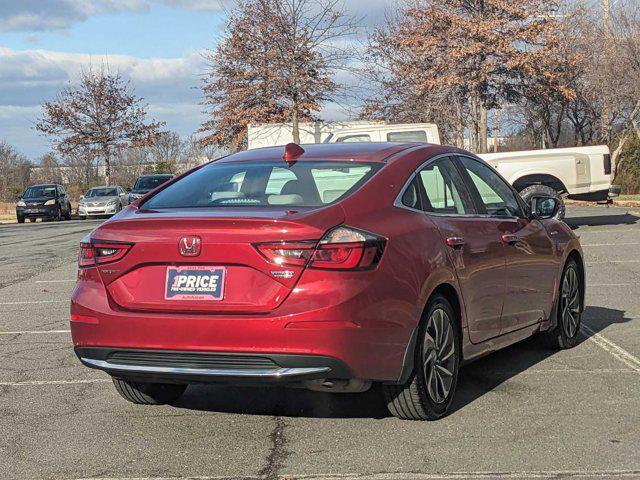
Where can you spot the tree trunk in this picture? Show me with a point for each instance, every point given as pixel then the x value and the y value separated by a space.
pixel 459 124
pixel 496 129
pixel 474 122
pixel 107 164
pixel 484 129
pixel 295 124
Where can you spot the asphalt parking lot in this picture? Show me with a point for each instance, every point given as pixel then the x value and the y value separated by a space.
pixel 520 413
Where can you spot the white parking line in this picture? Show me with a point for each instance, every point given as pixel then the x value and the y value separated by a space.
pixel 34 332
pixel 607 345
pixel 612 261
pixel 609 244
pixel 34 303
pixel 609 284
pixel 31 383
pixel 577 474
pixel 56 281
pixel 607 231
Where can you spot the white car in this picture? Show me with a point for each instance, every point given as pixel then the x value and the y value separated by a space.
pixel 102 201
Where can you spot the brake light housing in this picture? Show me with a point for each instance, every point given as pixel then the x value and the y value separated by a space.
pixel 341 248
pixel 97 252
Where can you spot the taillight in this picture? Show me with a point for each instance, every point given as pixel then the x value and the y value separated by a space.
pixel 293 254
pixel 342 248
pixel 96 252
pixel 346 248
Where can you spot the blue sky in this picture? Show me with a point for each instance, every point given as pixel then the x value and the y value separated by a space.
pixel 158 44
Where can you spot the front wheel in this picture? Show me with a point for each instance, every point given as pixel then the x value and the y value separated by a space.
pixel 542 190
pixel 569 312
pixel 144 393
pixel 429 392
pixel 20 219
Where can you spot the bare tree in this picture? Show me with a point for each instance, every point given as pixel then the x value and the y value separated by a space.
pixel 276 64
pixel 99 117
pixel 15 172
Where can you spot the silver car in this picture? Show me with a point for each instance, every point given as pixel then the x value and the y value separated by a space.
pixel 99 201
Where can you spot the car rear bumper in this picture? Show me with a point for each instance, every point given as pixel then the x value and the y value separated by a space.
pixel 351 337
pixel 180 366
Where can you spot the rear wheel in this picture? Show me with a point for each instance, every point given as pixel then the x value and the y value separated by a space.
pixel 144 393
pixel 542 190
pixel 429 392
pixel 565 334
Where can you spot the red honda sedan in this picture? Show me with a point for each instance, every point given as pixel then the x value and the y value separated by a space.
pixel 329 266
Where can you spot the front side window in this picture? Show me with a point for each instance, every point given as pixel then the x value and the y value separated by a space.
pixel 264 184
pixel 444 189
pixel 495 195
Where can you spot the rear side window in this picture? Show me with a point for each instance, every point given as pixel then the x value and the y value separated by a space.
pixel 265 184
pixel 444 189
pixel 412 136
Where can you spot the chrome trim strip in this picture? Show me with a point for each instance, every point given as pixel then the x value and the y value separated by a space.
pixel 256 373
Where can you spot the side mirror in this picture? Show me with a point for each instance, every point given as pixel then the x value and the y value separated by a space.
pixel 128 189
pixel 81 197
pixel 544 207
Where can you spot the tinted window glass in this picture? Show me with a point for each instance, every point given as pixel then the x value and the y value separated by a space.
pixel 263 184
pixel 48 191
pixel 354 139
pixel 496 196
pixel 411 196
pixel 149 183
pixel 414 136
pixel 444 189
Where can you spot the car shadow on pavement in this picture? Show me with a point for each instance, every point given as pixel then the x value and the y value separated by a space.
pixel 476 379
pixel 602 220
pixel 488 374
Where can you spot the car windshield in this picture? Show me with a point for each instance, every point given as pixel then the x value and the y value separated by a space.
pixel 102 192
pixel 149 183
pixel 263 184
pixel 40 191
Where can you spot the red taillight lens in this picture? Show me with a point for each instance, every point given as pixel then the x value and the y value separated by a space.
pixel 287 254
pixel 96 252
pixel 343 248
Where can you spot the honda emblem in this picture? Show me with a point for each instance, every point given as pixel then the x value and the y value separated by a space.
pixel 189 246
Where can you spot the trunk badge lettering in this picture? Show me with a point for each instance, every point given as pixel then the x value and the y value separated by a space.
pixel 189 246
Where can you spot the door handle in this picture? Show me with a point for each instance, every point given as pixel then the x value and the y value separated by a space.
pixel 509 239
pixel 455 242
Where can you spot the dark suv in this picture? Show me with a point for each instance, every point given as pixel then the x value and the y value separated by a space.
pixel 146 183
pixel 48 200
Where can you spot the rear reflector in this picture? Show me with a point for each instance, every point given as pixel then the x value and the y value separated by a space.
pixel 342 248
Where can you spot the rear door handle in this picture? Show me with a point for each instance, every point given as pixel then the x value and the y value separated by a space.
pixel 509 239
pixel 455 242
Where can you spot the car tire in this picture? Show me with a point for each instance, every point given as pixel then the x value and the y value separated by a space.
pixel 20 219
pixel 536 190
pixel 58 215
pixel 82 217
pixel 423 397
pixel 143 393
pixel 569 312
pixel 67 216
pixel 32 220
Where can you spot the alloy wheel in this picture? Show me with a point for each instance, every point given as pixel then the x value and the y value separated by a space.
pixel 570 303
pixel 439 355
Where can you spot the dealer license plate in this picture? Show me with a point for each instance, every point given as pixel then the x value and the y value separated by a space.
pixel 195 283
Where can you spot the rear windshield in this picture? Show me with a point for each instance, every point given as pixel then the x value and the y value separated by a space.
pixel 264 184
pixel 102 192
pixel 40 191
pixel 149 183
